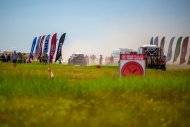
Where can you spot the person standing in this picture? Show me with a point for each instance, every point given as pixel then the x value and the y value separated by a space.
pixel 19 57
pixel 44 58
pixel 188 61
pixel 8 58
pixel 111 60
pixel 100 61
pixel 2 57
pixel 24 59
pixel 5 57
pixel 60 58
pixel 14 57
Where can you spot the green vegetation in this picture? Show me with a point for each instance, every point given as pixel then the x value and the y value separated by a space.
pixel 91 97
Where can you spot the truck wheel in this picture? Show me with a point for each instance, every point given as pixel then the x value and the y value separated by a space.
pixel 163 68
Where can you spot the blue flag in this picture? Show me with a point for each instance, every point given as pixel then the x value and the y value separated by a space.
pixel 37 46
pixel 32 48
pixel 46 44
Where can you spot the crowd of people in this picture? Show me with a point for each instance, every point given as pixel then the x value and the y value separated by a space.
pixel 5 57
pixel 20 57
pixel 43 59
pixel 23 58
pixel 14 58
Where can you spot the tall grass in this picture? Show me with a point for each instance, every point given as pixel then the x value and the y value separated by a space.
pixel 33 79
pixel 87 96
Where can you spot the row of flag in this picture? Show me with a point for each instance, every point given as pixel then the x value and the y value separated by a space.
pixel 39 42
pixel 178 49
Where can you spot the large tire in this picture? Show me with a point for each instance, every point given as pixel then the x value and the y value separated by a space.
pixel 163 67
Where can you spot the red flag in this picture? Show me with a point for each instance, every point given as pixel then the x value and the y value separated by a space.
pixel 53 47
pixel 184 50
pixel 40 47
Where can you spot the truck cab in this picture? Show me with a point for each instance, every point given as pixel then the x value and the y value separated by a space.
pixel 77 59
pixel 155 57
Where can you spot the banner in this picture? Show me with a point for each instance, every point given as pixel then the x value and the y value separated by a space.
pixel 156 41
pixel 151 41
pixel 132 65
pixel 37 46
pixel 177 49
pixel 46 44
pixel 162 45
pixel 184 50
pixel 169 54
pixel 59 48
pixel 40 47
pixel 32 48
pixel 53 47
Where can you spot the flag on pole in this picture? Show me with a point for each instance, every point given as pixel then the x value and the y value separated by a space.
pixel 59 48
pixel 169 54
pixel 53 47
pixel 177 49
pixel 151 41
pixel 46 44
pixel 32 48
pixel 37 46
pixel 40 47
pixel 156 41
pixel 184 50
pixel 162 45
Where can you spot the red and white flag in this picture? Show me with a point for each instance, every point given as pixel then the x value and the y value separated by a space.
pixel 184 50
pixel 53 47
pixel 40 47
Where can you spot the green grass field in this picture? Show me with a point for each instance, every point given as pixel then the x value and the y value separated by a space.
pixel 91 97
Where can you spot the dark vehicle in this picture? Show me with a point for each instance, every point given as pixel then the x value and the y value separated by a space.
pixel 77 59
pixel 155 57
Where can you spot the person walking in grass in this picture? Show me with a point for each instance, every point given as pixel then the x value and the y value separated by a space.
pixel 6 56
pixel 14 57
pixel 19 57
pixel 24 59
pixel 44 58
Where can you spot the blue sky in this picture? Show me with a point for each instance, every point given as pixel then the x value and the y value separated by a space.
pixel 92 26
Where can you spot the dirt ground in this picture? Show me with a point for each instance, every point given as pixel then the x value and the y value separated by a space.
pixel 176 66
